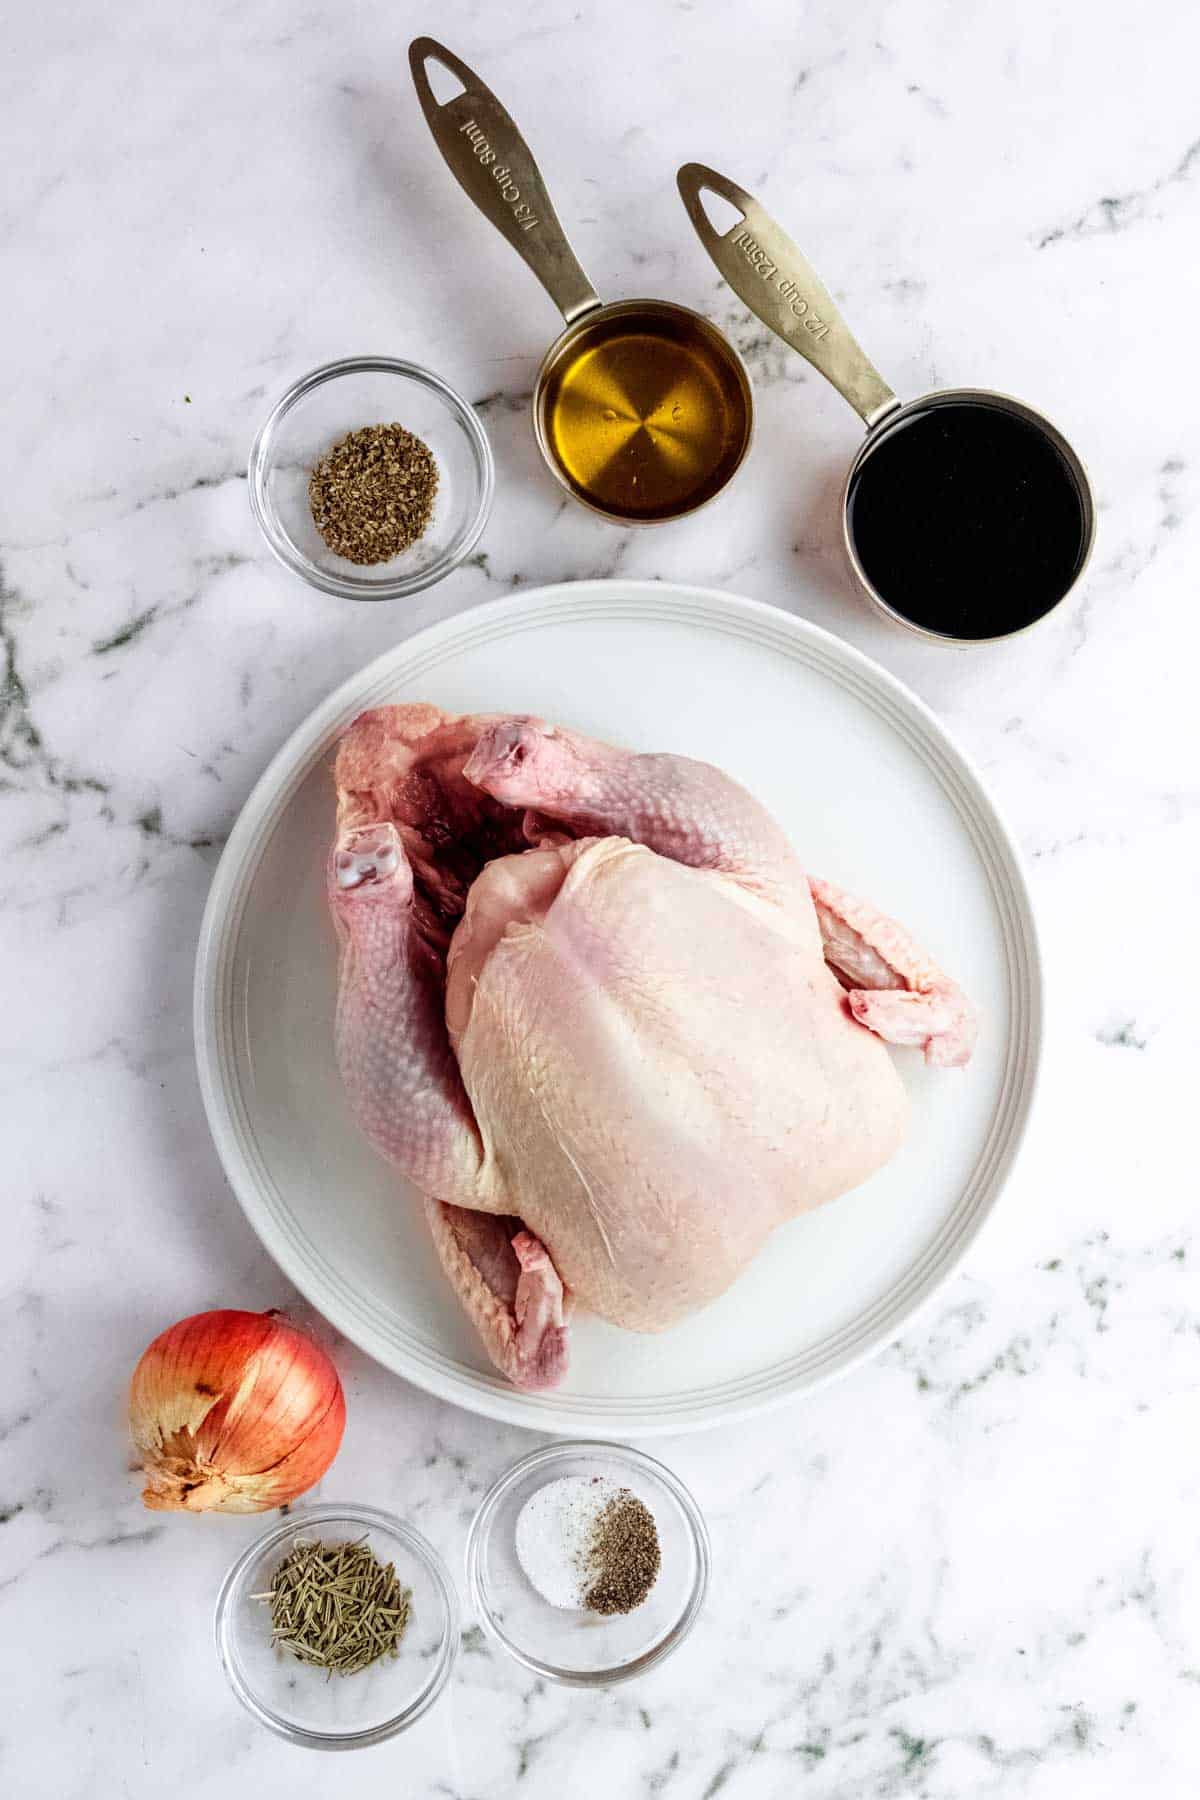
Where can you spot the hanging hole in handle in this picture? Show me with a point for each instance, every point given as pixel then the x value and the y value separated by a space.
pixel 444 84
pixel 721 213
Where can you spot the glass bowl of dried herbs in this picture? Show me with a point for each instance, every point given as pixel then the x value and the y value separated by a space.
pixel 372 478
pixel 338 1627
pixel 588 1563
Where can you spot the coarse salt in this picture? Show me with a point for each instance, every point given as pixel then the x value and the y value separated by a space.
pixel 556 1529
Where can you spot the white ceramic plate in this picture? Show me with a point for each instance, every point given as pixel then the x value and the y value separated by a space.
pixel 875 797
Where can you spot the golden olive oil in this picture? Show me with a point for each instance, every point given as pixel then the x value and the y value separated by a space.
pixel 646 414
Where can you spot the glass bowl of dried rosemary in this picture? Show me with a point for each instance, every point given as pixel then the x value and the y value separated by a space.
pixel 338 1627
pixel 588 1562
pixel 372 478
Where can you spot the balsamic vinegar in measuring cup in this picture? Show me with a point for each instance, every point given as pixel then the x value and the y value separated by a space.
pixel 966 518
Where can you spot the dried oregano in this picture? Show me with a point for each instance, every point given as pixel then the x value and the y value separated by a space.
pixel 371 496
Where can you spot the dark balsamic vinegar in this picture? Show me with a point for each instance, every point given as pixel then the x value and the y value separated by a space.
pixel 967 519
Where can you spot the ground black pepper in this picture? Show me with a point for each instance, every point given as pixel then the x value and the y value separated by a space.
pixel 371 496
pixel 624 1557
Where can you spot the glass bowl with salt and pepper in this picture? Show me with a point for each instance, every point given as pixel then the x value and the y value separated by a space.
pixel 588 1563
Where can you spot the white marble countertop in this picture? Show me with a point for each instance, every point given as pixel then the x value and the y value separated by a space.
pixel 969 1569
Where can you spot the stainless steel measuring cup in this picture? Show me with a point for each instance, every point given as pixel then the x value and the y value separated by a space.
pixel 642 447
pixel 767 271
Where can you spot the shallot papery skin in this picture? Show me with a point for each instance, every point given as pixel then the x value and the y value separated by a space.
pixel 234 1412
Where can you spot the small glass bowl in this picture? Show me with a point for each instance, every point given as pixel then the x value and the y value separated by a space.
pixel 338 1712
pixel 579 1648
pixel 314 415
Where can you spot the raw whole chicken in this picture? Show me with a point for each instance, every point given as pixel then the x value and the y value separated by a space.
pixel 591 1005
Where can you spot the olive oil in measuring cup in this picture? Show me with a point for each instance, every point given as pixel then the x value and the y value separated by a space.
pixel 643 414
pixel 641 408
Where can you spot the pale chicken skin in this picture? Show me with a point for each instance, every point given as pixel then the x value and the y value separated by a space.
pixel 592 1006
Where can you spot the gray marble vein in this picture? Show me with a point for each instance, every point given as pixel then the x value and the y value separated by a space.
pixel 1116 212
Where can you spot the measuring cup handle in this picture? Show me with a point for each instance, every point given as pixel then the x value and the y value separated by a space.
pixel 766 270
pixel 491 161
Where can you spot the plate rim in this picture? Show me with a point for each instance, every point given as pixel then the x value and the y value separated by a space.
pixel 915 1289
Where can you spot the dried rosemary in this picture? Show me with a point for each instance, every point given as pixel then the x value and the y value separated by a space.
pixel 371 496
pixel 336 1606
